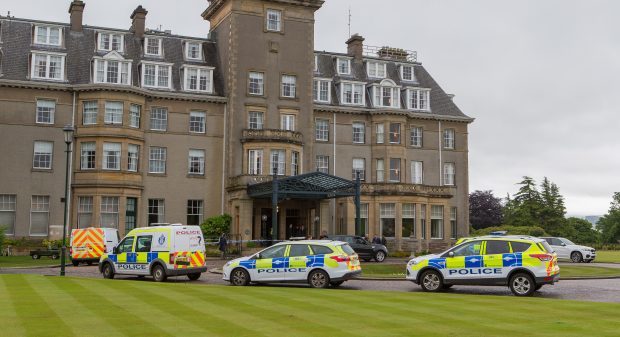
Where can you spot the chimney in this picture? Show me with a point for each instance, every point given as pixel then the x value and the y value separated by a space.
pixel 76 9
pixel 138 21
pixel 355 47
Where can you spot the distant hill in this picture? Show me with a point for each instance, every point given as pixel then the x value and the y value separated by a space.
pixel 593 219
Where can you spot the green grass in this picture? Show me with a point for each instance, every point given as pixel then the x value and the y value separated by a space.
pixel 33 305
pixel 609 256
pixel 27 261
pixel 398 270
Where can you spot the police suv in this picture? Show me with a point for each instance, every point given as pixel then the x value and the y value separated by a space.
pixel 523 263
pixel 320 263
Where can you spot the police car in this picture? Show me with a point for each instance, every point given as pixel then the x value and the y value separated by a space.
pixel 523 263
pixel 320 263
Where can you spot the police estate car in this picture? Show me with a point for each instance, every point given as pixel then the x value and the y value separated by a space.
pixel 320 263
pixel 523 263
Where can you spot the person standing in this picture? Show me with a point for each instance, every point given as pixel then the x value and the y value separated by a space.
pixel 376 240
pixel 222 244
pixel 323 235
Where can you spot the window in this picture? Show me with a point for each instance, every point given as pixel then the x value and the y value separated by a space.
pixel 380 133
pixel 89 114
pixel 299 250
pixel 274 20
pixel 45 111
pixel 152 46
pixel 109 212
pixel 39 215
pixel 417 172
pixel 380 170
pixel 359 168
pixel 423 221
pixel 321 91
pixel 193 50
pixel 316 63
pixel 157 160
pixel 197 122
pixel 359 129
pixel 387 214
pixel 453 229
pixel 408 228
pixel 87 155
pixel 322 130
pixel 156 75
pixel 42 155
pixel 448 139
pixel 156 211
pixel 448 174
pixel 287 122
pixel 406 73
pixel 419 99
pixel 364 218
pixel 255 162
pixel 126 246
pixel 344 66
pixel 321 250
pixel 159 119
pixel 133 157
pixel 436 222
pixel 386 95
pixel 256 83
pixel 395 169
pixel 7 212
pixel 198 79
pixel 48 66
pixel 376 69
pixel 85 212
pixel 196 162
pixel 110 41
pixel 131 213
pixel 469 249
pixel 48 35
pixel 134 115
pixel 194 212
pixel 352 93
pixel 115 72
pixel 111 156
pixel 519 247
pixel 416 136
pixel 274 252
pixel 497 247
pixel 114 113
pixel 289 86
pixel 278 165
pixel 394 133
pixel 322 164
pixel 255 120
pixel 143 244
pixel 295 163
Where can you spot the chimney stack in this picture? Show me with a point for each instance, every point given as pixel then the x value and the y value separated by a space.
pixel 355 47
pixel 138 21
pixel 76 10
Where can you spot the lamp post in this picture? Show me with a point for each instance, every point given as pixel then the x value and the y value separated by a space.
pixel 68 131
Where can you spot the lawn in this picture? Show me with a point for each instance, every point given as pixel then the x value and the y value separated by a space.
pixel 33 305
pixel 27 261
pixel 398 270
pixel 608 256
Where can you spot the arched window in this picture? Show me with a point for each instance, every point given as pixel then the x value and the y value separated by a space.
pixel 386 94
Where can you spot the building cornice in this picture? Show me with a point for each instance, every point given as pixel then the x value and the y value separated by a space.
pixel 215 5
pixel 400 112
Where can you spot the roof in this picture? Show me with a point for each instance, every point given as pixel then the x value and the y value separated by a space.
pixel 314 185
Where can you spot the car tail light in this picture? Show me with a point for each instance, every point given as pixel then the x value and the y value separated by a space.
pixel 105 248
pixel 542 257
pixel 341 258
pixel 171 258
pixel 71 251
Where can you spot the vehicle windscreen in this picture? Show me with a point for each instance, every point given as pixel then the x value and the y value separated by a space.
pixel 547 247
pixel 347 249
pixel 567 241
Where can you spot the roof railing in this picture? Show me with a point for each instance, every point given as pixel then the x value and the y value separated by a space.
pixel 397 54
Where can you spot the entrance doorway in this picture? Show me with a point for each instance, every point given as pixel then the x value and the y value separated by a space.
pixel 294 226
pixel 265 224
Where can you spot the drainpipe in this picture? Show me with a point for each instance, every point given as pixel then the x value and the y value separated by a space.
pixel 224 140
pixel 70 182
pixel 440 159
pixel 334 173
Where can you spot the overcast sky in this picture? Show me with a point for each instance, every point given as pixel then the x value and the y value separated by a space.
pixel 540 77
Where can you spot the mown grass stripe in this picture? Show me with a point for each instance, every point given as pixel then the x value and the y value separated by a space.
pixel 10 322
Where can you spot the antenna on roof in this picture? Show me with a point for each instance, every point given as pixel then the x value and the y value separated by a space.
pixel 349 21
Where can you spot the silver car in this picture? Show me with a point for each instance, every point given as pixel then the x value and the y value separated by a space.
pixel 567 250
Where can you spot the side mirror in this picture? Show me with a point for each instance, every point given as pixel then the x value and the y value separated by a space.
pixel 256 256
pixel 115 250
pixel 451 254
pixel 563 244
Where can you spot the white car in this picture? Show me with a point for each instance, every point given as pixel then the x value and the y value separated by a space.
pixel 567 250
pixel 320 263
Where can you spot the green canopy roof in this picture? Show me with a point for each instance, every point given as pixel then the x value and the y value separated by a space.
pixel 315 185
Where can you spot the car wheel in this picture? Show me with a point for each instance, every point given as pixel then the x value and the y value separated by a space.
pixel 159 274
pixel 538 286
pixel 336 284
pixel 193 276
pixel 35 256
pixel 239 277
pixel 318 279
pixel 576 257
pixel 522 284
pixel 380 256
pixel 54 257
pixel 108 271
pixel 431 281
pixel 75 263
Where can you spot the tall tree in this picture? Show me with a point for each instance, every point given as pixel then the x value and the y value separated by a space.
pixel 609 224
pixel 581 231
pixel 485 210
pixel 552 209
pixel 524 209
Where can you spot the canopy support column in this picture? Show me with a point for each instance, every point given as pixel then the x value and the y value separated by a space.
pixel 358 220
pixel 274 209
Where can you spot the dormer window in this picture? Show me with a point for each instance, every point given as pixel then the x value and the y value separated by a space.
pixel 111 41
pixel 193 50
pixel 198 79
pixel 352 93
pixel 113 69
pixel 152 46
pixel 48 35
pixel 157 75
pixel 376 69
pixel 344 66
pixel 47 66
pixel 386 95
pixel 419 99
pixel 406 73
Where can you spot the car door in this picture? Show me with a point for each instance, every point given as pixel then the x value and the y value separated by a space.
pixel 461 264
pixel 362 247
pixel 142 251
pixel 559 247
pixel 496 255
pixel 123 257
pixel 271 264
pixel 299 256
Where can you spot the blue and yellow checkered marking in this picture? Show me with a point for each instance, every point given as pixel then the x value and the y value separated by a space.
pixel 248 264
pixel 474 261
pixel 280 262
pixel 512 260
pixel 315 261
pixel 437 263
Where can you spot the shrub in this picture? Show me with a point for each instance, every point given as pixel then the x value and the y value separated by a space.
pixel 214 226
pixel 511 230
pixel 2 239
pixel 399 253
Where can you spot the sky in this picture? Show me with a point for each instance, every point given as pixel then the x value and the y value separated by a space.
pixel 539 77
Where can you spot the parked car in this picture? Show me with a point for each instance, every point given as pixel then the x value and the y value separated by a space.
pixel 364 249
pixel 53 253
pixel 567 250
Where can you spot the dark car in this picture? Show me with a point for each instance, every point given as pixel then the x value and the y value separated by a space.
pixel 364 249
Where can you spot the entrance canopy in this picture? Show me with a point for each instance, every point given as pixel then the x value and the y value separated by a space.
pixel 315 185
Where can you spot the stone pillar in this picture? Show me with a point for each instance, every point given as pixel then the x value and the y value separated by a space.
pixel 398 226
pixel 325 216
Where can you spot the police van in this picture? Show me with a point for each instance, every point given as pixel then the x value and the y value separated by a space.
pixel 89 244
pixel 320 263
pixel 157 251
pixel 523 263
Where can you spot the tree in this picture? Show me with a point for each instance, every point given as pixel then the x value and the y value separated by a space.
pixel 485 210
pixel 215 226
pixel 2 238
pixel 552 210
pixel 524 209
pixel 581 231
pixel 609 224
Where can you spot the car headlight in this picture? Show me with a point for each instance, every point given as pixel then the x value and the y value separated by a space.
pixel 227 264
pixel 373 247
pixel 413 262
